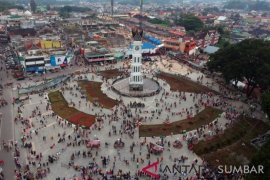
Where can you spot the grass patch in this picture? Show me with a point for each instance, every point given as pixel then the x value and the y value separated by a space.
pixel 95 95
pixel 233 147
pixel 74 116
pixel 178 83
pixel 204 117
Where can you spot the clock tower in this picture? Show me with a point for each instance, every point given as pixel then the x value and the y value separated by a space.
pixel 136 76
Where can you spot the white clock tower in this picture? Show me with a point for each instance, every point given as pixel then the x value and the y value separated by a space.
pixel 136 76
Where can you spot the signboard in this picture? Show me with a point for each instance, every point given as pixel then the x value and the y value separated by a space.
pixel 58 60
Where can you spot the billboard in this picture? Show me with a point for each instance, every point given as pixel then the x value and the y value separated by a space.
pixel 48 44
pixel 59 60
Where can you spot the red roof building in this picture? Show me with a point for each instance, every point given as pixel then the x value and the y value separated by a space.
pixel 205 18
pixel 204 39
pixel 175 33
pixel 179 45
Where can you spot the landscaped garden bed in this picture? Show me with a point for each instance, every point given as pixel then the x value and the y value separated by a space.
pixel 204 117
pixel 112 73
pixel 179 83
pixel 71 114
pixel 233 146
pixel 95 95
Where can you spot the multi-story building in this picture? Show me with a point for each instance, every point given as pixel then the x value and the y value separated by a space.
pixel 34 63
pixel 4 37
pixel 183 45
pixel 178 32
pixel 207 38
pixel 173 44
pixel 96 57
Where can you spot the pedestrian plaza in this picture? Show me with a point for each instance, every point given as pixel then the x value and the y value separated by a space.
pixel 51 147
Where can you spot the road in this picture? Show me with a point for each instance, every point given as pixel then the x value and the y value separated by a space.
pixel 7 126
pixel 9 112
pixel 68 70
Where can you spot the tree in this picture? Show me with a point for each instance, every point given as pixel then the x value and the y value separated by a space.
pixel 48 7
pixel 74 9
pixel 208 10
pixel 224 37
pixel 190 22
pixel 64 14
pixel 265 98
pixel 235 5
pixel 220 30
pixel 261 158
pixel 93 15
pixel 65 11
pixel 236 17
pixel 264 14
pixel 4 6
pixel 248 5
pixel 222 43
pixel 159 22
pixel 260 5
pixel 248 60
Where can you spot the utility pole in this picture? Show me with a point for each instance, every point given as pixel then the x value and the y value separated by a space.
pixel 103 10
pixel 141 14
pixel 112 4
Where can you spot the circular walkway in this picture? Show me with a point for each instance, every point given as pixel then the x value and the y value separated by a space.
pixel 150 88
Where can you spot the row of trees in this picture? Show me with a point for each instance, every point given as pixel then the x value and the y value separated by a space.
pixel 248 5
pixel 262 157
pixel 224 39
pixel 4 5
pixel 159 21
pixel 137 2
pixel 210 10
pixel 66 10
pixel 190 22
pixel 247 61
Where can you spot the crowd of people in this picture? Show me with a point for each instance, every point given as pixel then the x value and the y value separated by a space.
pixel 3 102
pixel 117 129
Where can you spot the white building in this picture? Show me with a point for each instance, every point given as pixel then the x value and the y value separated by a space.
pixel 34 63
pixel 136 76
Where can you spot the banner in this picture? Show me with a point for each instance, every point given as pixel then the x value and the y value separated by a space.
pixel 58 60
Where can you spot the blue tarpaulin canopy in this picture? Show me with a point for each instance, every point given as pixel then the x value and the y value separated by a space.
pixel 150 43
pixel 146 45
pixel 152 40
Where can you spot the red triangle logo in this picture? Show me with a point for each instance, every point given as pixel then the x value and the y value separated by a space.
pixel 145 170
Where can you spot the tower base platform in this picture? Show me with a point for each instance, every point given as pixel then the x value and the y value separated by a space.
pixel 150 87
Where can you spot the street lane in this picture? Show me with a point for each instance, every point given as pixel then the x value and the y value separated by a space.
pixel 7 125
pixel 7 134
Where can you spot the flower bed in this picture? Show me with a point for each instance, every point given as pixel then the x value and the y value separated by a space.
pixel 82 119
pixel 71 114
pixel 204 117
pixel 95 95
pixel 179 83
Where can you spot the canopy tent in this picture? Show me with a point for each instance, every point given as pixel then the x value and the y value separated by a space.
pixel 152 40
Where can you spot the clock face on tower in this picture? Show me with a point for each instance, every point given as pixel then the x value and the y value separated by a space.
pixel 137 48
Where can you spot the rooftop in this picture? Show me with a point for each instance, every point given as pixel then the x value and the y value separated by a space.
pixel 211 49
